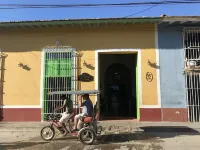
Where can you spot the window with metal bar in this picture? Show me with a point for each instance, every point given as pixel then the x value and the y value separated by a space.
pixel 192 48
pixel 58 71
pixel 192 68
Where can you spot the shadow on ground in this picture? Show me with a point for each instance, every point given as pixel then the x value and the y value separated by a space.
pixel 153 134
pixel 19 145
pixel 180 129
pixel 66 138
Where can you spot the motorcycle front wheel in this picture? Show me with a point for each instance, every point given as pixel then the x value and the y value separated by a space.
pixel 47 133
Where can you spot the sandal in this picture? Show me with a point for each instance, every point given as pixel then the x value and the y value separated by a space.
pixel 74 130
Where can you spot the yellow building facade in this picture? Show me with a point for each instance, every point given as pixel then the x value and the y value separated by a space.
pixel 23 72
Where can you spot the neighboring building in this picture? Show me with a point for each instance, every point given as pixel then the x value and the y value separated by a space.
pixel 137 63
pixel 179 49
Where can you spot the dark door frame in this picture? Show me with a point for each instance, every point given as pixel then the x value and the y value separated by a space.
pixel 138 74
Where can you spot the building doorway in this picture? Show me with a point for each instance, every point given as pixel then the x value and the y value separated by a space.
pixel 118 84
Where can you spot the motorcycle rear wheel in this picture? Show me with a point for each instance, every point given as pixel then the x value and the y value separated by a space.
pixel 89 133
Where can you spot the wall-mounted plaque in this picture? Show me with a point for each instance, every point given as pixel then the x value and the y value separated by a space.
pixel 85 77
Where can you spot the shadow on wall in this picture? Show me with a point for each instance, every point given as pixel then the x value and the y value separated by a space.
pixel 89 66
pixel 25 67
pixel 153 65
pixel 78 56
pixel 2 71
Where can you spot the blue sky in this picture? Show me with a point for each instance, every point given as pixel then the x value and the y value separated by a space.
pixel 102 12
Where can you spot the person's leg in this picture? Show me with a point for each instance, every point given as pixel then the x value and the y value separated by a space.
pixel 61 119
pixel 65 120
pixel 76 118
pixel 65 116
pixel 80 124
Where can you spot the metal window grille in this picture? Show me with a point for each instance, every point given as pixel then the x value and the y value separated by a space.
pixel 193 97
pixel 192 48
pixel 58 76
pixel 192 70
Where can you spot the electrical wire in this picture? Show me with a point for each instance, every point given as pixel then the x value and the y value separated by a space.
pixel 32 6
pixel 154 3
pixel 145 9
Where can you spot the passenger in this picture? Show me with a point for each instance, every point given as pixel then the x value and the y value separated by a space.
pixel 87 111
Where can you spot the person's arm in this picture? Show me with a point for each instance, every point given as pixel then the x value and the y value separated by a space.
pixel 64 103
pixel 80 101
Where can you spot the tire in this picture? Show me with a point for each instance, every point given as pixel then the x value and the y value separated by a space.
pixel 65 133
pixel 99 130
pixel 89 131
pixel 51 129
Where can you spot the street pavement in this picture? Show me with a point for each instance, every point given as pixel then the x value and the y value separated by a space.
pixel 121 136
pixel 114 141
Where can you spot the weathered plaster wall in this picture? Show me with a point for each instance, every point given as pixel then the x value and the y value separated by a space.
pixel 173 93
pixel 172 79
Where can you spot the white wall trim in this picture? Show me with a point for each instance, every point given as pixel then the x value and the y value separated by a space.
pixel 42 78
pixel 74 74
pixel 158 64
pixel 42 81
pixel 21 106
pixel 140 77
pixel 149 106
pixel 119 50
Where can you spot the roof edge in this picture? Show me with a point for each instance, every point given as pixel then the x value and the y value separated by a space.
pixel 80 21
pixel 89 21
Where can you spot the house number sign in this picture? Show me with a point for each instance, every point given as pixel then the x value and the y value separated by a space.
pixel 149 76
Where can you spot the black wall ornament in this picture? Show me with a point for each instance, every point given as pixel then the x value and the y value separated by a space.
pixel 85 77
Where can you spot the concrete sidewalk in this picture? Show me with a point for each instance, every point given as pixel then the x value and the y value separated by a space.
pixel 111 126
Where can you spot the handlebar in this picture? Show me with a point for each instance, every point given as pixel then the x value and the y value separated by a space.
pixel 53 116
